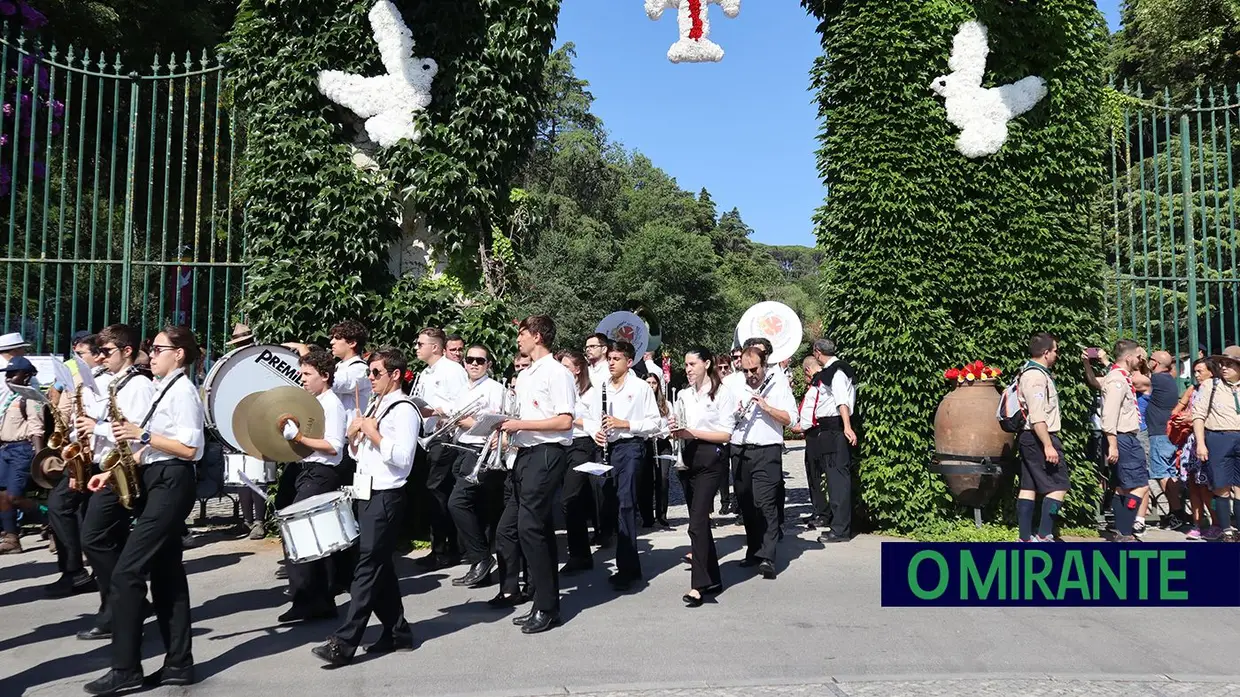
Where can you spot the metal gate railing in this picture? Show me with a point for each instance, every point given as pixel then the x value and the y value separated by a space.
pixel 118 187
pixel 1171 223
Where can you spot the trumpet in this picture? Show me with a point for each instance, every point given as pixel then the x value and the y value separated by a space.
pixel 678 413
pixel 453 420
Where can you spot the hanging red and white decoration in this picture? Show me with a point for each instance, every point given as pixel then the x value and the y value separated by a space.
pixel 694 45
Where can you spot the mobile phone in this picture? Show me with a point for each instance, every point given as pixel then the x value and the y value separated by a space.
pixel 1092 352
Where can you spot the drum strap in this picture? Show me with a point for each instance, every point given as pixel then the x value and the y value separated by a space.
pixel 393 405
pixel 155 404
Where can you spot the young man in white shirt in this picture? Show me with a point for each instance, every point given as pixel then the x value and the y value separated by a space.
pixel 596 347
pixel 475 507
pixel 351 383
pixel 626 406
pixel 454 348
pixel 310 583
pixel 764 408
pixel 440 385
pixel 384 445
pixel 836 399
pixel 546 399
pixel 105 528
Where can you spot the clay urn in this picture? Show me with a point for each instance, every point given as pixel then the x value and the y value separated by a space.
pixel 970 447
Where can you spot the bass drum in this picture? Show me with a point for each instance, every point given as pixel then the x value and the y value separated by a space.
pixel 239 374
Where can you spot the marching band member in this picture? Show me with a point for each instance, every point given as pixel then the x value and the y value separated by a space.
pixel 836 397
pixel 65 505
pixel 388 442
pixel 710 416
pixel 454 348
pixel 106 524
pixel 546 400
pixel 808 426
pixel 577 495
pixel 631 416
pixel 440 384
pixel 311 583
pixel 597 346
pixel 350 380
pixel 167 442
pixel 655 479
pixel 763 409
pixel 475 508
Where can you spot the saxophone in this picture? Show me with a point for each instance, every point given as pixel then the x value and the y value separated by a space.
pixel 77 454
pixel 119 461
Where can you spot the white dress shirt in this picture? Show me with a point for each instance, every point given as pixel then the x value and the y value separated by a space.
pixel 632 401
pixel 335 424
pixel 178 415
pixel 133 399
pixel 352 374
pixel 492 402
pixel 705 414
pixel 805 417
pixel 389 464
pixel 546 390
pixel 585 412
pixel 756 427
pixel 841 391
pixel 599 372
pixel 441 385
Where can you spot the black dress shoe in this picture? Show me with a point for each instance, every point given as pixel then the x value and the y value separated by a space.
pixel 501 600
pixel 94 634
pixel 750 561
pixel 307 614
pixel 334 653
pixel 540 622
pixel 692 600
pixel 577 564
pixel 282 572
pixel 114 682
pixel 476 574
pixel 520 620
pixel 388 643
pixel 767 569
pixel 60 588
pixel 827 538
pixel 168 675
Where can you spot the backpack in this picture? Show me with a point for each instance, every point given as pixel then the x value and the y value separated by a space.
pixel 1011 413
pixel 49 422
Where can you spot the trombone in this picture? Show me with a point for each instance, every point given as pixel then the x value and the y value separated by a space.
pixel 453 420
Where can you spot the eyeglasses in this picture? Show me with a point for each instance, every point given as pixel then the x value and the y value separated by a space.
pixel 157 349
pixel 376 373
pixel 593 346
pixel 475 360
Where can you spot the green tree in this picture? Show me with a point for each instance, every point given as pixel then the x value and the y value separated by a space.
pixel 1183 45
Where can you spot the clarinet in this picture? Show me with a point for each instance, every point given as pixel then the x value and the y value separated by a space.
pixel 606 432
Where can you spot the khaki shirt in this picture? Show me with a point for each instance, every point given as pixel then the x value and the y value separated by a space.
pixel 1037 392
pixel 16 426
pixel 1119 405
pixel 1224 416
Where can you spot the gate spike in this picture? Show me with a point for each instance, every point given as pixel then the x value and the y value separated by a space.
pixel 155 65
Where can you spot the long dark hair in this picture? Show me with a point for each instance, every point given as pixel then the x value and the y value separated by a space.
pixel 184 339
pixel 712 371
pixel 583 373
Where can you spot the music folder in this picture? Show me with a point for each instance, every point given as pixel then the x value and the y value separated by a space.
pixel 486 424
pixel 595 468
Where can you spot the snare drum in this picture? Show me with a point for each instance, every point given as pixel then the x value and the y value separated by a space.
pixel 239 374
pixel 317 527
pixel 259 471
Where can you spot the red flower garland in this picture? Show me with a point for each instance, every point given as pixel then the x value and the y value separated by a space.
pixel 971 372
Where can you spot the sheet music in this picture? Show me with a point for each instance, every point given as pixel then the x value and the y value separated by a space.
pixel 29 393
pixel 87 374
pixel 63 376
pixel 596 468
pixel 485 425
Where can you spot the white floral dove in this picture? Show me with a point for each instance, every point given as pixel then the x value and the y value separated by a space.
pixel 387 102
pixel 982 114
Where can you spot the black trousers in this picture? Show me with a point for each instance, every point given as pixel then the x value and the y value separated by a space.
pixel 606 502
pixel 376 587
pixel 725 494
pixel 578 497
pixel 440 481
pixel 65 510
pixel 759 483
pixel 837 461
pixel 707 464
pixel 626 459
pixel 475 508
pixel 105 528
pixel 537 476
pixel 653 482
pixel 815 474
pixel 508 541
pixel 253 506
pixel 311 583
pixel 154 550
pixel 286 485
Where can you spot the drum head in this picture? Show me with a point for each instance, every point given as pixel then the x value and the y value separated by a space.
pixel 239 374
pixel 775 322
pixel 626 326
pixel 310 504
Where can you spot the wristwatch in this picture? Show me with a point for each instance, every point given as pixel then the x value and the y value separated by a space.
pixel 145 439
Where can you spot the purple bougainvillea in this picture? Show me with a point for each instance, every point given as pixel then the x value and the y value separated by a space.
pixel 18 131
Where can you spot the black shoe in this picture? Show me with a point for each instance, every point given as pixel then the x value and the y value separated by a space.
pixel 388 643
pixel 692 600
pixel 623 582
pixel 333 653
pixel 307 614
pixel 476 574
pixel 504 601
pixel 767 569
pixel 540 621
pixel 170 676
pixel 94 634
pixel 605 541
pixel 114 682
pixel 66 585
pixel 520 620
pixel 282 572
pixel 577 564
pixel 827 538
pixel 750 561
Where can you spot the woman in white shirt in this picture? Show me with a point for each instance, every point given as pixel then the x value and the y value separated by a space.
pixel 167 445
pixel 577 495
pixel 709 420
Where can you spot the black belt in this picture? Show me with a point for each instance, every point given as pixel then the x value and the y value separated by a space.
pixel 530 448
pixel 749 446
pixel 622 441
pixel 13 442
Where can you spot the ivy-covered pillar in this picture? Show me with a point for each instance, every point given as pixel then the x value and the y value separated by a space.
pixel 936 258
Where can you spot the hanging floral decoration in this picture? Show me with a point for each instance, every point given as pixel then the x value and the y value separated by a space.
pixel 971 372
pixel 387 102
pixel 694 45
pixel 982 114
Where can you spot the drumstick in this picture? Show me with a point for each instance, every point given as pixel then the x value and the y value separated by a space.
pixel 357 399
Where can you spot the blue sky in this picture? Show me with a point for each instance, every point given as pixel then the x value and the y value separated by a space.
pixel 743 128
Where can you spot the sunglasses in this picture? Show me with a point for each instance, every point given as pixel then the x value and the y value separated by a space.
pixel 751 371
pixel 475 360
pixel 104 351
pixel 376 373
